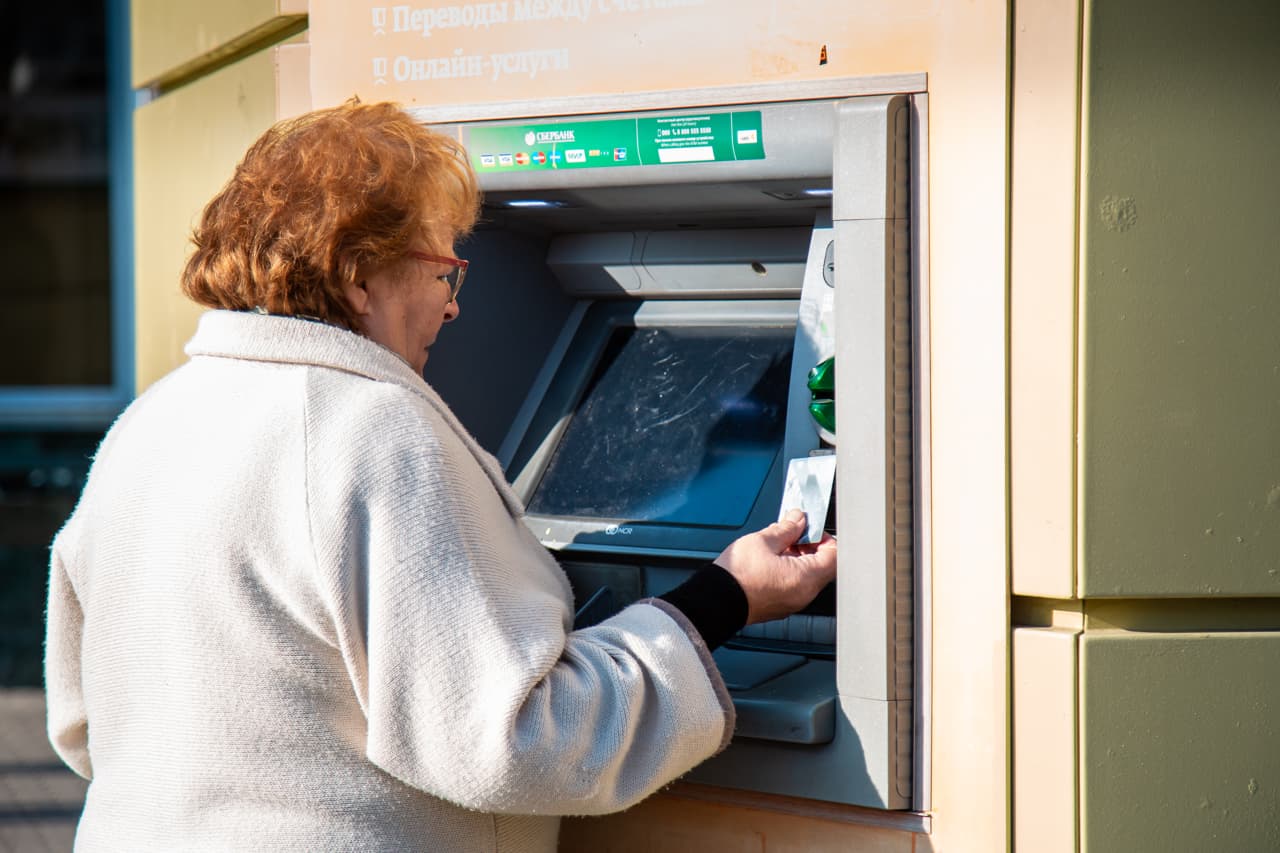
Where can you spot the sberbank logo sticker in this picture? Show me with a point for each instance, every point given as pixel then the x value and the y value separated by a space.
pixel 548 137
pixel 649 141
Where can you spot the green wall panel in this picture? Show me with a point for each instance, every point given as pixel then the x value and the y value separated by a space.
pixel 1180 393
pixel 1178 747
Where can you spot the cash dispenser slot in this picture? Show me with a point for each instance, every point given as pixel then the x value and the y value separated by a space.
pixel 779 697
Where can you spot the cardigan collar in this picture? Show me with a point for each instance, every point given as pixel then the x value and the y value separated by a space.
pixel 291 340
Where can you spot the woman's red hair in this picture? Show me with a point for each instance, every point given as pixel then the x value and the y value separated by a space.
pixel 320 200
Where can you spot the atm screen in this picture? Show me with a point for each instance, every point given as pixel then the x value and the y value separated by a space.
pixel 677 425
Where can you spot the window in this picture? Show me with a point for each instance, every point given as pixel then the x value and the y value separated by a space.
pixel 66 336
pixel 65 331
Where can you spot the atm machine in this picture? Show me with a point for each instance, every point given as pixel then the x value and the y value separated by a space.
pixel 649 294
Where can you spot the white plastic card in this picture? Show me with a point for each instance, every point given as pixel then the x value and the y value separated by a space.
pixel 809 481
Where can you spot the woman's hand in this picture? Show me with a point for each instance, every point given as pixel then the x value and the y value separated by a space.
pixel 779 576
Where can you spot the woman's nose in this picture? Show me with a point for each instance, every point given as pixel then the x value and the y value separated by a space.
pixel 451 311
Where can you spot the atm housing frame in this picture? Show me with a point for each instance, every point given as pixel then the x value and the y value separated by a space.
pixel 873 726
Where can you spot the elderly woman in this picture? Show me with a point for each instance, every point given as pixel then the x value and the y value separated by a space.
pixel 297 607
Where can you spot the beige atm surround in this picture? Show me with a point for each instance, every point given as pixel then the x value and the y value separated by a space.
pixel 964 48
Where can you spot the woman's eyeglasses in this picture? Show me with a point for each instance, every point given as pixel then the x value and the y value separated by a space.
pixel 454 277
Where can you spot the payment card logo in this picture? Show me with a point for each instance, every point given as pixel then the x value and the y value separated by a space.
pixel 575 155
pixel 488 161
pixel 505 159
pixel 619 154
pixel 522 159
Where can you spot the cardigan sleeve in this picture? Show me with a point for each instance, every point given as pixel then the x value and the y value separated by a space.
pixel 68 722
pixel 456 626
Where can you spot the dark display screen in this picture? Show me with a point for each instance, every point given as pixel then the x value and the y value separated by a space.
pixel 678 425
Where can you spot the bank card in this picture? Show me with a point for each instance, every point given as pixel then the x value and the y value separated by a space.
pixel 809 481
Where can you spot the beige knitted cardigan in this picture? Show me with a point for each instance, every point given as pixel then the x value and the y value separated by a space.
pixel 296 609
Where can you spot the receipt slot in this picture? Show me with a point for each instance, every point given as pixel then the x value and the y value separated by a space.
pixel 661 285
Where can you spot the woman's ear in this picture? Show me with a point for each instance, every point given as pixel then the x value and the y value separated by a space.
pixel 357 295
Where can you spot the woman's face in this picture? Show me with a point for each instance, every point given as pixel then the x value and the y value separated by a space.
pixel 403 305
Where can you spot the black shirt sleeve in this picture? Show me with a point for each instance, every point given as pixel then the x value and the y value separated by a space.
pixel 713 600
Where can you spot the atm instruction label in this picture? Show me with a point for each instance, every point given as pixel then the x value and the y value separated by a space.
pixel 597 143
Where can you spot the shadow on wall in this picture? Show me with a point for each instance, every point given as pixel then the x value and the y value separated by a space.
pixel 41 475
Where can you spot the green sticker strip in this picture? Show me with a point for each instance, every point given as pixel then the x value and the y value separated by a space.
pixel 593 144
